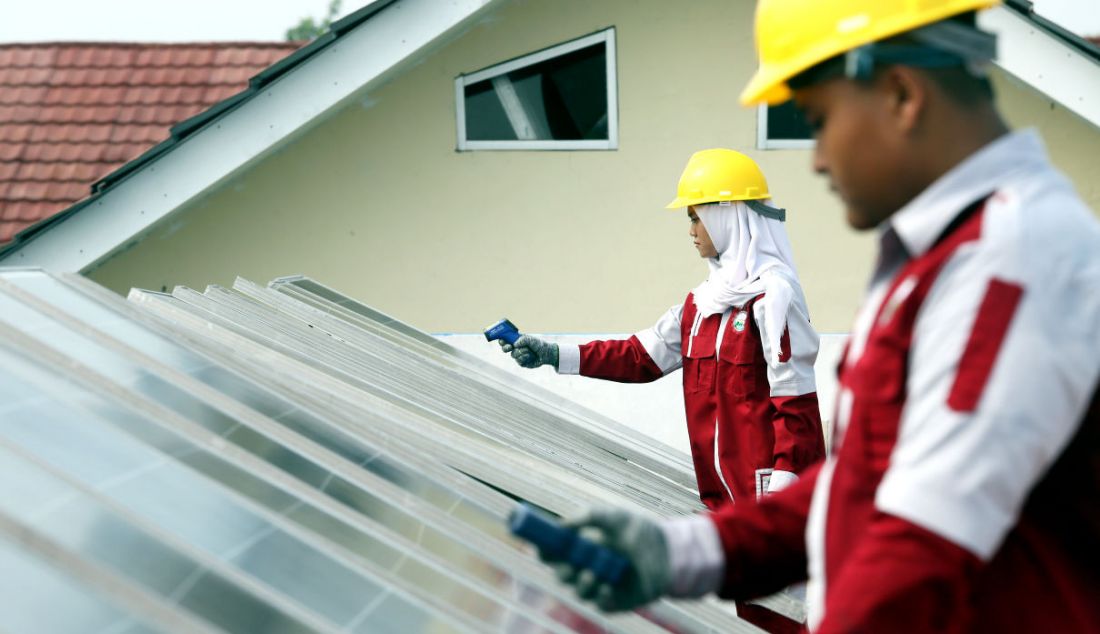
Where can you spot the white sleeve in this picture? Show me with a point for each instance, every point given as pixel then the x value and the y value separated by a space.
pixel 697 562
pixel 794 376
pixel 1004 361
pixel 569 358
pixel 662 340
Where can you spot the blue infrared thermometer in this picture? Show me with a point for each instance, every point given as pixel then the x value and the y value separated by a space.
pixel 558 542
pixel 503 329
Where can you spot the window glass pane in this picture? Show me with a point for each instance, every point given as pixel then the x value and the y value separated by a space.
pixel 786 123
pixel 485 117
pixel 564 98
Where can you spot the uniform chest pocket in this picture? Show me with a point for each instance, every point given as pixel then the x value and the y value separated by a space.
pixel 699 355
pixel 741 363
pixel 699 374
pixel 880 375
pixel 877 383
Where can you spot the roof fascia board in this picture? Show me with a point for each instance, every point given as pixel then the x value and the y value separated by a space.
pixel 124 212
pixel 1045 62
pixel 1026 9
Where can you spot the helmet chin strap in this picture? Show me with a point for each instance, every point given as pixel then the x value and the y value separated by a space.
pixel 766 211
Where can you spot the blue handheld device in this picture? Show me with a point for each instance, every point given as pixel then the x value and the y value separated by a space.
pixel 503 329
pixel 558 542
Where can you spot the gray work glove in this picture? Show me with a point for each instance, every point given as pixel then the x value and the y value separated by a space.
pixel 635 537
pixel 531 352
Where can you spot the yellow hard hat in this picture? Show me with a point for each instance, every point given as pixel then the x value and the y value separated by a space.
pixel 717 175
pixel 795 35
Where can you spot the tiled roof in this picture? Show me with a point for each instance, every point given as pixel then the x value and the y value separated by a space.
pixel 71 113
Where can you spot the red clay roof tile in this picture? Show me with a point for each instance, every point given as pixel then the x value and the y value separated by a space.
pixel 71 113
pixel 15 133
pixel 30 211
pixel 10 151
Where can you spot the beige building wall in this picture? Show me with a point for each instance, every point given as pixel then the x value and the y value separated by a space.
pixel 1072 142
pixel 376 202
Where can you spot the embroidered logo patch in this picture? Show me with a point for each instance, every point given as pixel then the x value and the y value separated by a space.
pixel 739 321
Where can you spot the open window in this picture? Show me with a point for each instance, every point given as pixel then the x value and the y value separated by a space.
pixel 560 98
pixel 782 127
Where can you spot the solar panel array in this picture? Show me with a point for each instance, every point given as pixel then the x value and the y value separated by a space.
pixel 286 459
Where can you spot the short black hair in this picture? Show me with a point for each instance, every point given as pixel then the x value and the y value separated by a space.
pixel 962 86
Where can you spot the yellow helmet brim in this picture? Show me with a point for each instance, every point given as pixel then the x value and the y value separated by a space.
pixel 828 29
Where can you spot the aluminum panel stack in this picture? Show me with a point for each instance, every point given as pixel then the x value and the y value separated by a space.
pixel 285 459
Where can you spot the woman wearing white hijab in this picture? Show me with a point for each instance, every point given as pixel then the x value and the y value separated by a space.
pixel 749 391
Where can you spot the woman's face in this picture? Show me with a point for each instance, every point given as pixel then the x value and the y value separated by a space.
pixel 700 237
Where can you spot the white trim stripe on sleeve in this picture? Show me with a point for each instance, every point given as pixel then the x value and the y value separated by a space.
pixel 569 359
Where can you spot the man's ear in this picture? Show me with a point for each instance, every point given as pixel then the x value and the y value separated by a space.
pixel 907 92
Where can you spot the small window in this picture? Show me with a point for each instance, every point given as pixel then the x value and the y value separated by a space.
pixel 782 127
pixel 560 98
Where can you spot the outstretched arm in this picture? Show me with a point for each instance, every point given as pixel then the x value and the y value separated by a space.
pixel 644 357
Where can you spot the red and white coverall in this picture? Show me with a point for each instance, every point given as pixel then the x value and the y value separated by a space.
pixel 750 423
pixel 962 493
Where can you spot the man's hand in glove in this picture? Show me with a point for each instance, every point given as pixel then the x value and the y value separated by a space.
pixel 641 541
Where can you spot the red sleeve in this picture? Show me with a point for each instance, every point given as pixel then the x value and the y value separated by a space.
pixel 622 360
pixel 765 541
pixel 799 441
pixel 902 578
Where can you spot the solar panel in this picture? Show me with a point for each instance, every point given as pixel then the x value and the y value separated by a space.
pixel 287 459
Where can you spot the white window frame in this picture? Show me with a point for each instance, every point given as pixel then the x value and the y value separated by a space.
pixel 764 143
pixel 607 36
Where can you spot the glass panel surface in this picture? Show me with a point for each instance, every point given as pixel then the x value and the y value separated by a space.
pixel 166 495
pixel 169 504
pixel 611 435
pixel 261 400
pixel 78 522
pixel 452 400
pixel 37 589
pixel 301 456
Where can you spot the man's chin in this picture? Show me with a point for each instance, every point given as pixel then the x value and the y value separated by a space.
pixel 859 220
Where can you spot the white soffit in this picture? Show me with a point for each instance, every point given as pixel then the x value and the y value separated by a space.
pixel 357 58
pixel 1047 64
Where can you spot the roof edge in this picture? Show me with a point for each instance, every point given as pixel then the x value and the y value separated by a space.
pixel 142 44
pixel 1026 8
pixel 1056 63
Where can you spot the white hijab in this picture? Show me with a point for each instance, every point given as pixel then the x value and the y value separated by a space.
pixel 754 257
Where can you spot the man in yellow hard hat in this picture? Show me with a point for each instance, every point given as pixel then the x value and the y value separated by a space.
pixel 742 336
pixel 960 493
